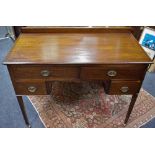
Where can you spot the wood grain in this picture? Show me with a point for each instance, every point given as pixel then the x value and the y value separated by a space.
pixel 75 48
pixel 21 88
pixel 122 72
pixel 34 72
pixel 115 87
pixel 76 29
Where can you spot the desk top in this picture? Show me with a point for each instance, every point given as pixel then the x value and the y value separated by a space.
pixel 76 48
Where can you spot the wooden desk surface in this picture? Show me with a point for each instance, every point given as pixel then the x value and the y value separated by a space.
pixel 76 48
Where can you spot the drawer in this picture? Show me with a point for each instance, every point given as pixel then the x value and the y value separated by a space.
pixel 122 87
pixel 44 71
pixel 113 72
pixel 30 88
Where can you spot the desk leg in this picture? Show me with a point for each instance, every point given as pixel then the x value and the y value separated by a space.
pixel 22 107
pixel 132 103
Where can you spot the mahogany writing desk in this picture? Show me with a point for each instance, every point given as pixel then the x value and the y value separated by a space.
pixel 41 56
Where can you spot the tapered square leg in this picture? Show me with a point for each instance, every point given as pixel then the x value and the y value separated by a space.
pixel 22 107
pixel 132 103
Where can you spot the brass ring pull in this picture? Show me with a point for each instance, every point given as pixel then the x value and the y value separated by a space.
pixel 45 73
pixel 124 89
pixel 32 89
pixel 112 73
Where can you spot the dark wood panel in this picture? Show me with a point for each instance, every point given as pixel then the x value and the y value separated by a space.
pixel 121 71
pixel 116 87
pixel 135 30
pixel 44 72
pixel 77 29
pixel 22 88
pixel 17 30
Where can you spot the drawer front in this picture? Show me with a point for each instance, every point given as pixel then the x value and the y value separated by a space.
pixel 30 88
pixel 113 72
pixel 123 87
pixel 44 72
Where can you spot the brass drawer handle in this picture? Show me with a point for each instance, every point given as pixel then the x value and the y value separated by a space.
pixel 45 73
pixel 124 89
pixel 112 73
pixel 32 89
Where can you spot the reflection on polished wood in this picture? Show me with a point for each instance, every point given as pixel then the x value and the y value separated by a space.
pixel 43 55
pixel 71 48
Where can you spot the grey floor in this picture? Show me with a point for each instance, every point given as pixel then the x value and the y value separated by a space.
pixel 10 114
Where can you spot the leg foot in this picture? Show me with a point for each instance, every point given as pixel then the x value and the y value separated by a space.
pixel 133 100
pixel 29 126
pixel 22 107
